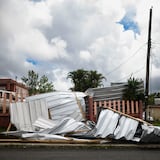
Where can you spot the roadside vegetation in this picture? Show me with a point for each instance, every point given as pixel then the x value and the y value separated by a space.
pixel 37 84
pixel 131 92
pixel 84 79
pixel 156 123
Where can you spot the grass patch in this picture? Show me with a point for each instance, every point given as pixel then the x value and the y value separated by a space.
pixel 156 123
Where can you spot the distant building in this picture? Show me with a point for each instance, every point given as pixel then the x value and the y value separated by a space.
pixel 13 86
pixel 153 111
pixel 157 101
pixel 114 92
pixel 112 97
pixel 10 91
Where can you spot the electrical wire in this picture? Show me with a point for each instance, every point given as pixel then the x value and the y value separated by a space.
pixel 137 71
pixel 155 42
pixel 137 51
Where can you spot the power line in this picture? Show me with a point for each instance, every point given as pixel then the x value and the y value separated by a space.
pixel 129 75
pixel 155 42
pixel 154 46
pixel 126 60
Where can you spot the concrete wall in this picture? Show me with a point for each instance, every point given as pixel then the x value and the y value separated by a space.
pixel 154 112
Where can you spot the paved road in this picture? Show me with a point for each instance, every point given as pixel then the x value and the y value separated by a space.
pixel 81 154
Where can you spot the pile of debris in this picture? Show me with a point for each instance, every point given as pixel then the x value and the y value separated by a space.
pixel 61 116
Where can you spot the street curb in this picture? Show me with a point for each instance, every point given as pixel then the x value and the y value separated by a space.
pixel 78 146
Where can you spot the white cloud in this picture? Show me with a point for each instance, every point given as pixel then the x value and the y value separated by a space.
pixel 39 14
pixel 60 81
pixel 85 55
pixel 67 35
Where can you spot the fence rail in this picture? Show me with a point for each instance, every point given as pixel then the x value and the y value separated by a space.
pixel 132 108
pixel 6 98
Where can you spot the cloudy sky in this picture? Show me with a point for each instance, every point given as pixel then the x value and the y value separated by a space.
pixel 54 37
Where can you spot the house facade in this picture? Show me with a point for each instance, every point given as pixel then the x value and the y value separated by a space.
pixel 10 91
pixel 153 111
pixel 14 86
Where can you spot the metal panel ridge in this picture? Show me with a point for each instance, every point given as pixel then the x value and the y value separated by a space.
pixel 113 124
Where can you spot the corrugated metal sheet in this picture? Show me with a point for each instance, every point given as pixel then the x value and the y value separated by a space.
pixel 106 124
pixel 24 114
pixel 32 115
pixel 43 136
pixel 62 126
pixel 126 128
pixel 110 93
pixel 59 104
pixel 42 123
pixel 112 124
pixel 63 104
pixel 150 134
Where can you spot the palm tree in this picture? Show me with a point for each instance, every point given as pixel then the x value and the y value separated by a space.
pixel 83 79
pixel 78 78
pixel 95 79
pixel 131 92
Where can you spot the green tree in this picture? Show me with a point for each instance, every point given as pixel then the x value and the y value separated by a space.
pixel 31 82
pixel 37 85
pixel 83 79
pixel 131 92
pixel 44 85
pixel 95 79
pixel 78 78
pixel 151 99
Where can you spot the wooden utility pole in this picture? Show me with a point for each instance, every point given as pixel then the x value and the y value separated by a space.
pixel 148 63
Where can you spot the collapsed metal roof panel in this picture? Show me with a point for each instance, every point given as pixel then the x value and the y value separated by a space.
pixel 113 124
pixel 43 136
pixel 126 128
pixel 150 134
pixel 56 95
pixel 62 126
pixel 106 124
pixel 63 103
pixel 33 113
pixel 24 114
pixel 59 104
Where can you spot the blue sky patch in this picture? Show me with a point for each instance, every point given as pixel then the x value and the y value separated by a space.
pixel 128 22
pixel 32 61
